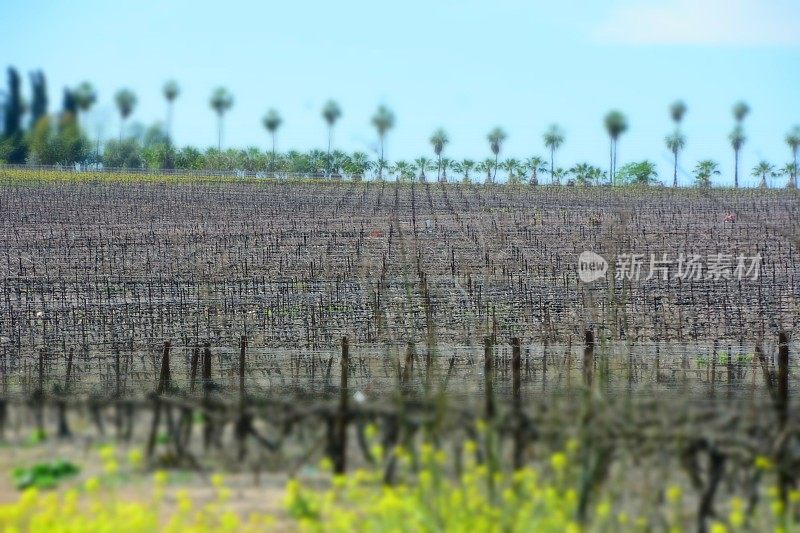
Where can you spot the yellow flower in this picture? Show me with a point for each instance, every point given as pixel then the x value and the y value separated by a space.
pixel 160 477
pixel 558 461
pixel 763 463
pixel 91 484
pixel 135 457
pixel 218 480
pixel 111 467
pixel 716 527
pixel 674 494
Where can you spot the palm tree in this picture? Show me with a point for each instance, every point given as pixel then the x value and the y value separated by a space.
pixel 465 167
pixel 512 167
pixel 221 101
pixel 737 139
pixel 535 165
pixel 272 121
pixel 790 171
pixel 126 102
pixel 487 165
pixel 496 138
pixel 85 96
pixel 793 140
pixel 439 139
pixel 422 164
pixel 383 120
pixel 381 165
pixel 677 140
pixel 358 165
pixel 171 92
pixel 404 171
pixel 740 111
pixel 762 170
pixel 675 143
pixel 444 164
pixel 616 124
pixel 704 171
pixel 331 113
pixel 586 174
pixel 553 139
pixel 676 111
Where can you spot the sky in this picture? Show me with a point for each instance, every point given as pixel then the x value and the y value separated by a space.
pixel 463 65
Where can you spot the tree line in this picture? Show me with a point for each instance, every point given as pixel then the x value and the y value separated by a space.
pixel 59 139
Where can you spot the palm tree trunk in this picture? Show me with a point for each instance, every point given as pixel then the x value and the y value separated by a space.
pixel 736 168
pixel 611 160
pixel 675 171
pixel 494 176
pixel 794 156
pixel 552 166
pixel 439 168
pixel 219 133
pixel 330 135
pixel 169 122
pixel 272 162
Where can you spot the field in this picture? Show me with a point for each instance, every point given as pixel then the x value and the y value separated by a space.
pixel 394 330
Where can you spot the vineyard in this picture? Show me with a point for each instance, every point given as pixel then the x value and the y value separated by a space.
pixel 263 324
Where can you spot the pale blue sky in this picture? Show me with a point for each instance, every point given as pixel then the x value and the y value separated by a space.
pixel 463 65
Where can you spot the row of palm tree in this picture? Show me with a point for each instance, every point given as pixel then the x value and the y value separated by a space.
pixel 383 120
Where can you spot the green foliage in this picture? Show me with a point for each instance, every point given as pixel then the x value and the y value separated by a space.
pixel 43 475
pixel 126 153
pixel 704 171
pixel 641 173
pixel 61 144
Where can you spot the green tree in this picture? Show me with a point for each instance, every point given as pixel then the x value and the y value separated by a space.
pixel 616 124
pixel 641 173
pixel 677 140
pixel 422 164
pixel 535 165
pixel 383 120
pixel 586 174
pixel 790 171
pixel 14 147
pixel 331 113
pixel 125 153
pixel 171 91
pixel 763 170
pixel 675 143
pixel 272 121
pixel 496 138
pixel 793 140
pixel 677 110
pixel 438 140
pixel 553 139
pixel 704 171
pixel 126 102
pixel 39 96
pixel 737 139
pixel 465 166
pixel 62 145
pixel 221 101
pixel 358 165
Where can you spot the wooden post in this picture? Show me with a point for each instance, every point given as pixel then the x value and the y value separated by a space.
pixel 162 386
pixel 588 357
pixel 517 402
pixel 488 370
pixel 243 424
pixel 339 459
pixel 784 477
